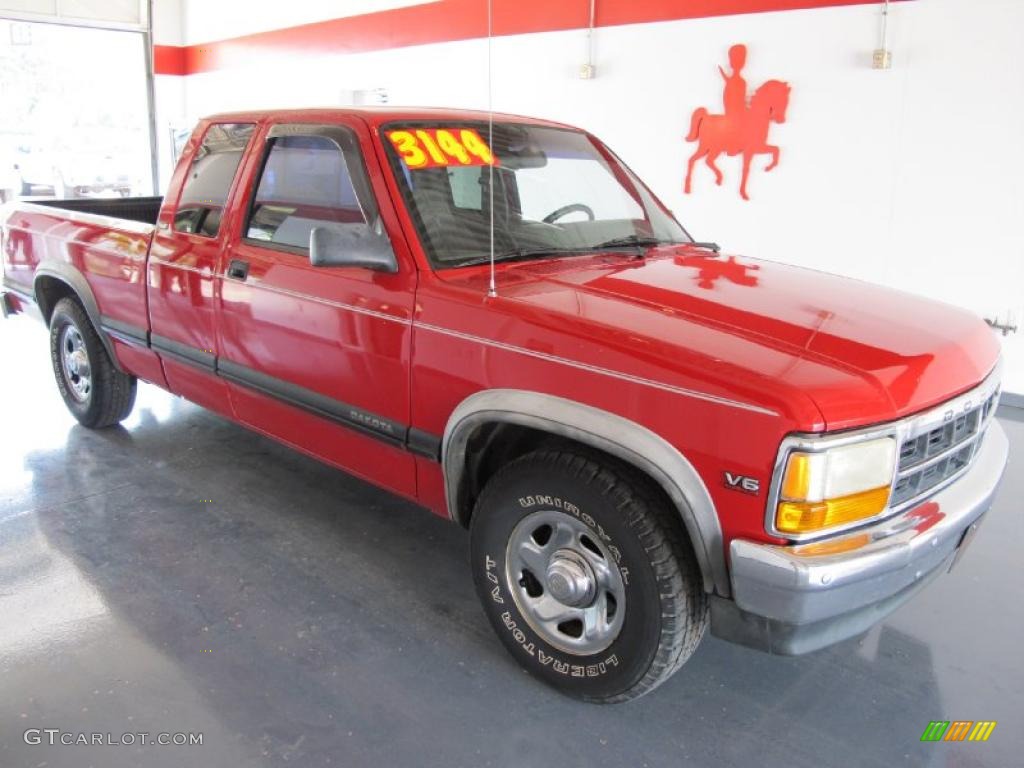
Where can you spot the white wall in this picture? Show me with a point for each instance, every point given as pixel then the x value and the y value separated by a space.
pixel 206 21
pixel 169 22
pixel 168 29
pixel 912 177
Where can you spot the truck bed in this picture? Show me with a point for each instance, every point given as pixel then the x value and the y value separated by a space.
pixel 95 248
pixel 141 209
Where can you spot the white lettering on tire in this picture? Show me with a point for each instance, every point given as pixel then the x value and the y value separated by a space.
pixel 562 667
pixel 520 637
pixel 492 577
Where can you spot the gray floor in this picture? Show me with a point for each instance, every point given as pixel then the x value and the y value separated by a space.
pixel 183 574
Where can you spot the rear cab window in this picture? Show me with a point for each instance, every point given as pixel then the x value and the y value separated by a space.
pixel 213 169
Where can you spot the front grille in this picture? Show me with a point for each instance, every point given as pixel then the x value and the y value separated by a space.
pixel 929 458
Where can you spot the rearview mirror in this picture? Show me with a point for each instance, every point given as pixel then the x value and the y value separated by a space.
pixel 352 245
pixel 523 157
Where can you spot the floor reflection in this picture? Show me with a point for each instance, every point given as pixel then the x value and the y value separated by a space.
pixel 47 602
pixel 301 617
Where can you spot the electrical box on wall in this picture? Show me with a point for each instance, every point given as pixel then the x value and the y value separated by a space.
pixel 882 59
pixel 587 72
pixel 363 97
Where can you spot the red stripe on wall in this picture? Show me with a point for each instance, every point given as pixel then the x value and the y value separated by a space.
pixel 169 60
pixel 450 20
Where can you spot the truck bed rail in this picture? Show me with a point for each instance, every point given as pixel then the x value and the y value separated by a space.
pixel 141 209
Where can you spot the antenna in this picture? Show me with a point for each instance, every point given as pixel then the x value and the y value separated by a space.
pixel 492 290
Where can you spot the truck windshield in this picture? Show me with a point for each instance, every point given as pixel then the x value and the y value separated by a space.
pixel 556 192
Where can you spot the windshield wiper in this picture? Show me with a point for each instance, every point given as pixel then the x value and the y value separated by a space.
pixel 520 254
pixel 629 241
pixel 710 246
pixel 632 240
pixel 647 242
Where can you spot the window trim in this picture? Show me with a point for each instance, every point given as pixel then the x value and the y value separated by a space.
pixel 338 135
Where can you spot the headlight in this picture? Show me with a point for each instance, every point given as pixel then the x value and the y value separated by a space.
pixel 835 487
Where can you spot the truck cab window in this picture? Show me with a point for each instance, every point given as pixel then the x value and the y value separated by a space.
pixel 206 188
pixel 306 183
pixel 554 191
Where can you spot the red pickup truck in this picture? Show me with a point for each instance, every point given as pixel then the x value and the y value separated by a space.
pixel 644 437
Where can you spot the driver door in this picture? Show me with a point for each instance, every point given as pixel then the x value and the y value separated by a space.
pixel 318 356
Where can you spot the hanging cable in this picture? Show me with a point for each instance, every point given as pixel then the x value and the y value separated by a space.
pixel 882 58
pixel 493 289
pixel 588 69
pixel 885 26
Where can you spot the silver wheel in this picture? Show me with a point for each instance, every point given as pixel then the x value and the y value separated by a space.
pixel 565 582
pixel 75 364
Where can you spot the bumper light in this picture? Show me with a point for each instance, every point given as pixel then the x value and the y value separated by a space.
pixel 832 546
pixel 809 516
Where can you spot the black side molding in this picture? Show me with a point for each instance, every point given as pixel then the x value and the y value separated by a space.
pixel 424 444
pixel 183 352
pixel 380 427
pixel 131 334
pixel 317 404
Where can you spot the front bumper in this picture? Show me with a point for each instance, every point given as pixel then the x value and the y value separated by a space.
pixel 787 603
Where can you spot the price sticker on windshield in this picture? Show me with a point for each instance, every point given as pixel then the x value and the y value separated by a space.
pixel 441 147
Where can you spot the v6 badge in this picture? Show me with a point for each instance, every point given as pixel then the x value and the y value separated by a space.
pixel 742 483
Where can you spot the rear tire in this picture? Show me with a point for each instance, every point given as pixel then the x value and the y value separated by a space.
pixel 585 575
pixel 94 390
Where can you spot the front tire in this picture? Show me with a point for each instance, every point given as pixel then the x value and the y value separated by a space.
pixel 93 389
pixel 585 575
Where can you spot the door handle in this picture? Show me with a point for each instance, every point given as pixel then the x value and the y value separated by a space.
pixel 238 269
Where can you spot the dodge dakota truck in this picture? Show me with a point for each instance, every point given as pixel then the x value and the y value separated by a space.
pixel 493 317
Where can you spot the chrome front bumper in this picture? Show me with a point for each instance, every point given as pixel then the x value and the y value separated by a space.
pixel 788 603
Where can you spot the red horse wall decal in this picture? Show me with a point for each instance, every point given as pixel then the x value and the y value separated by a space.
pixel 743 129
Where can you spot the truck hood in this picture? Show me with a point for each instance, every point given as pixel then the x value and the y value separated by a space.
pixel 861 352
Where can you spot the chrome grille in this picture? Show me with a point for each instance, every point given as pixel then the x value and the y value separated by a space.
pixel 933 456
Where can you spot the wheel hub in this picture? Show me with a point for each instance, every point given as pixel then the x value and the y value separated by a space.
pixel 570 579
pixel 79 363
pixel 75 363
pixel 565 582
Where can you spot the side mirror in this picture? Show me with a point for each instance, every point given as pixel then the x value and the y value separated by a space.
pixel 352 245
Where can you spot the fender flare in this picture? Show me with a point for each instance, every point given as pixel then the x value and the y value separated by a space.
pixel 607 432
pixel 75 280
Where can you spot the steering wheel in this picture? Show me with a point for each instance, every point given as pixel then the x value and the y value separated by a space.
pixel 565 210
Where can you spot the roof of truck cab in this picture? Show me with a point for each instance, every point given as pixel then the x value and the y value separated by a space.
pixel 376 116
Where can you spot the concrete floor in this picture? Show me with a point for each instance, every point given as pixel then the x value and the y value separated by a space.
pixel 301 617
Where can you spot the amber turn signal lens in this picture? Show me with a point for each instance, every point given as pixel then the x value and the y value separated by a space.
pixel 812 516
pixel 833 547
pixel 796 483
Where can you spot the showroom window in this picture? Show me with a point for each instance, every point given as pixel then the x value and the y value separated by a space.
pixel 75 121
pixel 205 193
pixel 306 183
